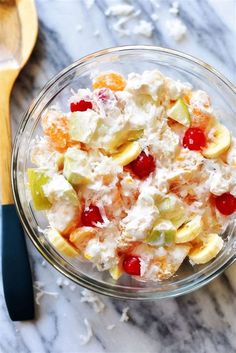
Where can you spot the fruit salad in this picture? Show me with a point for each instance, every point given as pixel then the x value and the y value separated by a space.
pixel 136 176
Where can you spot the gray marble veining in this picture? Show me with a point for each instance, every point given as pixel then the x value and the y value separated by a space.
pixel 203 321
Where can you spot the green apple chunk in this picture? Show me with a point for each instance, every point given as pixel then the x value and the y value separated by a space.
pixel 173 209
pixel 179 112
pixel 167 206
pixel 118 138
pixel 101 132
pixel 37 179
pixel 163 233
pixel 76 166
pixel 82 125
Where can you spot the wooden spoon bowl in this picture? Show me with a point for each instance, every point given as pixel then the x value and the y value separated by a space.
pixel 18 32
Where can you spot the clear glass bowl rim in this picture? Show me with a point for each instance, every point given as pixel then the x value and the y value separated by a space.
pixel 90 283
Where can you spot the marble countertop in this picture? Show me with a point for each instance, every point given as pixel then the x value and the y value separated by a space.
pixel 203 321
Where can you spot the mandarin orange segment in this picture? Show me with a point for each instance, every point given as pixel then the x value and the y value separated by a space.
pixel 200 119
pixel 111 80
pixel 186 98
pixel 80 237
pixel 57 130
pixel 72 143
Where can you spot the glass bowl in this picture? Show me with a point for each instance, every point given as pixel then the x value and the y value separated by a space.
pixel 57 91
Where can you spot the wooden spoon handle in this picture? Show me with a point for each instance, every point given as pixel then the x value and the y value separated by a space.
pixel 16 272
pixel 7 79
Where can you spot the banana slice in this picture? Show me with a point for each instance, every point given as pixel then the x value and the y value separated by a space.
pixel 220 144
pixel 57 240
pixel 189 231
pixel 135 135
pixel 127 153
pixel 116 272
pixel 207 251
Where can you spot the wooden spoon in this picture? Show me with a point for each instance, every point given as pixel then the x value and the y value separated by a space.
pixel 18 32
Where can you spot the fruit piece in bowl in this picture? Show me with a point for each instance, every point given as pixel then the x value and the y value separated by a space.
pixel 140 157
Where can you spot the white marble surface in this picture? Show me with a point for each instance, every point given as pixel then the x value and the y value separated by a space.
pixel 203 321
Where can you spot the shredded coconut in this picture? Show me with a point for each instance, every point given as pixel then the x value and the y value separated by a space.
pixel 40 230
pixel 176 29
pixel 119 25
pixel 124 316
pixel 143 267
pixel 143 28
pixel 66 282
pixel 41 292
pixel 155 4
pixel 174 9
pixel 231 154
pixel 119 10
pixel 93 299
pixel 141 216
pixel 155 16
pixel 111 327
pixel 89 334
pixel 61 214
pixel 72 287
pixel 39 295
pixel 59 281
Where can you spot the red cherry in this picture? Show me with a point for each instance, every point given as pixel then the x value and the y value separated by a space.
pixel 194 139
pixel 143 165
pixel 90 216
pixel 131 265
pixel 226 204
pixel 80 106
